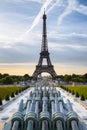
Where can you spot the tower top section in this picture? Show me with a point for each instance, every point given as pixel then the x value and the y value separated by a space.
pixel 44 46
pixel 44 15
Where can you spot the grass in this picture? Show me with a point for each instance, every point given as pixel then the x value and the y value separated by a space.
pixel 82 90
pixel 8 90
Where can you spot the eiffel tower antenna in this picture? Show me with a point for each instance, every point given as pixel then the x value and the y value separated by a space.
pixel 40 68
pixel 44 10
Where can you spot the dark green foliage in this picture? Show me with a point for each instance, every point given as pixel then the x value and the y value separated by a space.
pixel 26 77
pixel 12 95
pixel 85 77
pixel 67 78
pixel 74 78
pixel 66 89
pixel 10 79
pixel 0 101
pixel 16 93
pixel 73 92
pixel 7 98
pixel 82 97
pixel 69 91
pixel 20 91
pixel 6 80
pixel 77 95
pixel 61 87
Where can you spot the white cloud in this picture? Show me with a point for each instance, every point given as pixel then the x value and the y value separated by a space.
pixel 9 32
pixel 63 47
pixel 82 9
pixel 39 1
pixel 37 19
pixel 70 7
pixel 71 40
pixel 68 35
pixel 73 5
pixel 53 5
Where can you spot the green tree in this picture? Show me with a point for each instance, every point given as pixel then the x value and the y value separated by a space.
pixel 67 78
pixel 0 75
pixel 26 77
pixel 5 75
pixel 85 77
pixel 7 80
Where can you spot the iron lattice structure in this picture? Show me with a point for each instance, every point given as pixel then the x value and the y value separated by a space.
pixel 40 68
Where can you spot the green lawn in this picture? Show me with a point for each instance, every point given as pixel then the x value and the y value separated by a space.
pixel 82 90
pixel 8 90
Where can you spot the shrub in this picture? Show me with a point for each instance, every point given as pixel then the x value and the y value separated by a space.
pixel 65 88
pixel 20 91
pixel 16 93
pixel 0 101
pixel 77 95
pixel 69 91
pixel 73 92
pixel 12 95
pixel 61 86
pixel 7 98
pixel 82 97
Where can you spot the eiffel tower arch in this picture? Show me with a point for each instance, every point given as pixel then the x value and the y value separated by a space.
pixel 40 68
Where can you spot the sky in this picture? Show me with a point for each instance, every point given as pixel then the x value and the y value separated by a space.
pixel 21 35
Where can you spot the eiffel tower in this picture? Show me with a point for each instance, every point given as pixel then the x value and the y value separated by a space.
pixel 40 68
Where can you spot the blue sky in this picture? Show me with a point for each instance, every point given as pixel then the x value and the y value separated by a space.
pixel 21 35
